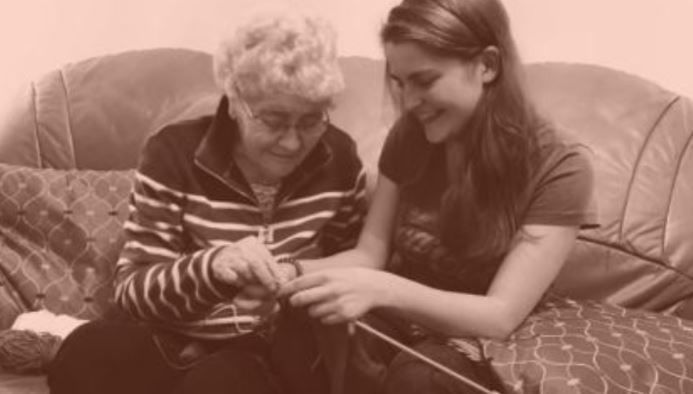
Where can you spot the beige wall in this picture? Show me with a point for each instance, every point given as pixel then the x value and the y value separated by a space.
pixel 645 37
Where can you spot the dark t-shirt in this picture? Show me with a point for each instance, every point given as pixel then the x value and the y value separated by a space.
pixel 559 193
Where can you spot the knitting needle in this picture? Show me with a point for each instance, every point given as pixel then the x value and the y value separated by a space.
pixel 366 327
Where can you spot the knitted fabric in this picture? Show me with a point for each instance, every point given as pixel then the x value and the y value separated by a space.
pixel 25 351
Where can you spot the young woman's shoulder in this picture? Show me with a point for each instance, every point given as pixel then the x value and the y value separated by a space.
pixel 558 152
pixel 561 188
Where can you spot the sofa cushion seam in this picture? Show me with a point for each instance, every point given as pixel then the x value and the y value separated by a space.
pixel 70 137
pixel 649 259
pixel 37 133
pixel 636 164
pixel 677 171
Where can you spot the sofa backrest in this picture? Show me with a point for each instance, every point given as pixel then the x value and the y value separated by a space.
pixel 640 134
pixel 95 115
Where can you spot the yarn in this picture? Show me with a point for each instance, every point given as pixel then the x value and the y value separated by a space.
pixel 25 351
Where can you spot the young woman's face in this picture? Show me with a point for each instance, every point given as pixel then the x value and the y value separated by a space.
pixel 276 134
pixel 441 92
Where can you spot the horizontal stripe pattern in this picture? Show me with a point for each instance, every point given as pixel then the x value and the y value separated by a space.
pixel 164 274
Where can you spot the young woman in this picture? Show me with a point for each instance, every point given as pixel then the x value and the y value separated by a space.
pixel 476 207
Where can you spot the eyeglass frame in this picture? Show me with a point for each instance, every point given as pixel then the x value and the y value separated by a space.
pixel 324 121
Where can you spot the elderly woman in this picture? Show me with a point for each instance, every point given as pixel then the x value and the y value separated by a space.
pixel 222 207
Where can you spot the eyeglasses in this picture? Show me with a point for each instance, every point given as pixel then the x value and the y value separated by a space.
pixel 278 123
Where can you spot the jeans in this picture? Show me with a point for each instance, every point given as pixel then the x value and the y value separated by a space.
pixel 377 367
pixel 104 357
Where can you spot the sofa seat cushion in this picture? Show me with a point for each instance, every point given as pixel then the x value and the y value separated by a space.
pixel 60 235
pixel 585 346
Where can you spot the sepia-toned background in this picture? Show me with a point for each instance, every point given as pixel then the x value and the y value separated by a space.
pixel 653 39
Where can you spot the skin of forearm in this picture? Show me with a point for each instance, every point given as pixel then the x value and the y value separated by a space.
pixel 347 258
pixel 448 313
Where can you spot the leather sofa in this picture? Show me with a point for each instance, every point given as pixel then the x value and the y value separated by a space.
pixel 69 144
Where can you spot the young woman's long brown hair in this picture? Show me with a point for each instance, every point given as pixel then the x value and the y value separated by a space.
pixel 491 162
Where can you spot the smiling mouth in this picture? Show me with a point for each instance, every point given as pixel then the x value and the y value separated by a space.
pixel 286 157
pixel 429 117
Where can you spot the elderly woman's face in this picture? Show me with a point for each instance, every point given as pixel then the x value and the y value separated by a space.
pixel 277 133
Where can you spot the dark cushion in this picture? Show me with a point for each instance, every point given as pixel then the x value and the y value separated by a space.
pixel 585 346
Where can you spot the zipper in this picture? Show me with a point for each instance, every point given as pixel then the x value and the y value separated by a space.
pixel 265 233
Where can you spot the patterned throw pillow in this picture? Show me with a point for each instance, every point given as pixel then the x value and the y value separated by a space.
pixel 60 235
pixel 588 347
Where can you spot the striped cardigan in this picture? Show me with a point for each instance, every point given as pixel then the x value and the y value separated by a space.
pixel 190 200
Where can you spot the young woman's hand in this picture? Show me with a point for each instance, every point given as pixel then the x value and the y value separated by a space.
pixel 341 294
pixel 247 262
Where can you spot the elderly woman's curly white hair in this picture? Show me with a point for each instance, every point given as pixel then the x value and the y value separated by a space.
pixel 288 53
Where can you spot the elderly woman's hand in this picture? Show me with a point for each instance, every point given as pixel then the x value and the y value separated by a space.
pixel 247 263
pixel 258 299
